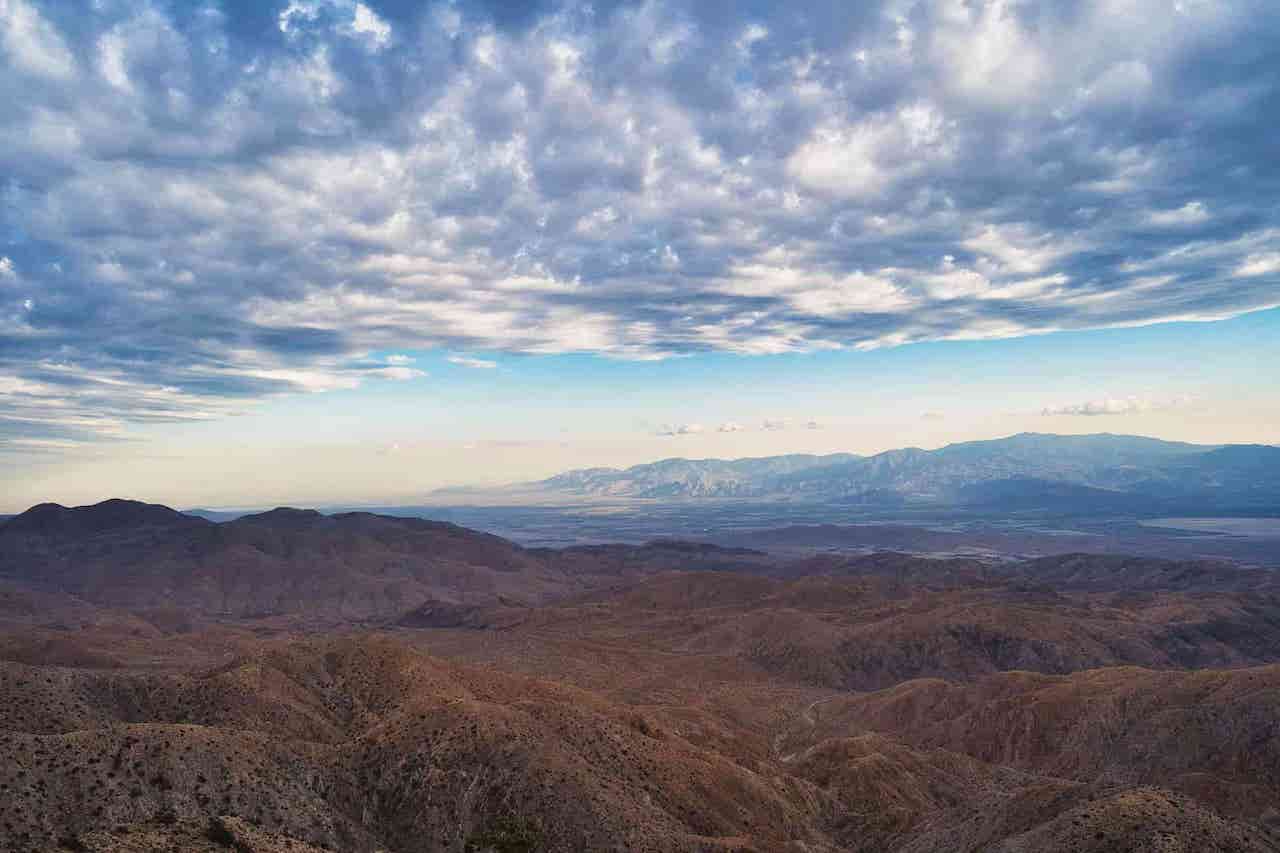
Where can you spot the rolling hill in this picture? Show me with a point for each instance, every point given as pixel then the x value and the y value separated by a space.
pixel 302 564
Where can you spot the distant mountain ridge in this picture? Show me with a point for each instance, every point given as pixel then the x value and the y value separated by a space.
pixel 1119 472
pixel 693 477
pixel 349 566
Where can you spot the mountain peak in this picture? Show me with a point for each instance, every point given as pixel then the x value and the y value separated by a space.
pixel 111 514
pixel 284 515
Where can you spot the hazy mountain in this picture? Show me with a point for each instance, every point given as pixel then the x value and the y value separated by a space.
pixel 697 478
pixel 1098 472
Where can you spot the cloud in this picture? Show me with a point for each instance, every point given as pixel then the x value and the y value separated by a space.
pixel 31 44
pixel 218 204
pixel 680 429
pixel 932 416
pixel 1191 213
pixel 468 361
pixel 775 425
pixel 366 22
pixel 1265 263
pixel 1116 406
pixel 730 426
pixel 399 374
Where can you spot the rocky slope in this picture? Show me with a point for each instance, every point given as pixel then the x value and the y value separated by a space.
pixel 364 744
pixel 890 624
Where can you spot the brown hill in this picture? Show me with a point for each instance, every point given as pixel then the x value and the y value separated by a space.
pixel 1112 573
pixel 1141 820
pixel 367 745
pixel 870 632
pixel 1210 733
pixel 364 744
pixel 287 562
pixel 354 566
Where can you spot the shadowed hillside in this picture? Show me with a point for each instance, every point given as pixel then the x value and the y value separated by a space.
pixel 300 563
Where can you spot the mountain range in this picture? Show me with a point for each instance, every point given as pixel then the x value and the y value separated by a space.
pixel 1102 472
pixel 295 681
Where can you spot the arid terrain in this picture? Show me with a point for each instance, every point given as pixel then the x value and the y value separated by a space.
pixel 297 682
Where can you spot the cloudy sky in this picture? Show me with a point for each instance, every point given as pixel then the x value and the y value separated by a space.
pixel 324 250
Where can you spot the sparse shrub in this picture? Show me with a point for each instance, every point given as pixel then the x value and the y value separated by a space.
pixel 218 833
pixel 507 835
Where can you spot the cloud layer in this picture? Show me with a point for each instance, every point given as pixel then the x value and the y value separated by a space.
pixel 203 204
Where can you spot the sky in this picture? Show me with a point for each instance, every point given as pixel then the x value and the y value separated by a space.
pixel 320 251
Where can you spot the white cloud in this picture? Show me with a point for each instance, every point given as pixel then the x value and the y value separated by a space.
pixel 775 424
pixel 1015 249
pixel 863 159
pixel 986 53
pixel 7 271
pixel 1117 406
pixel 290 17
pixel 399 374
pixel 730 426
pixel 818 293
pixel 31 43
pixel 112 62
pixel 362 23
pixel 469 361
pixel 366 22
pixel 1191 213
pixel 1263 263
pixel 680 429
